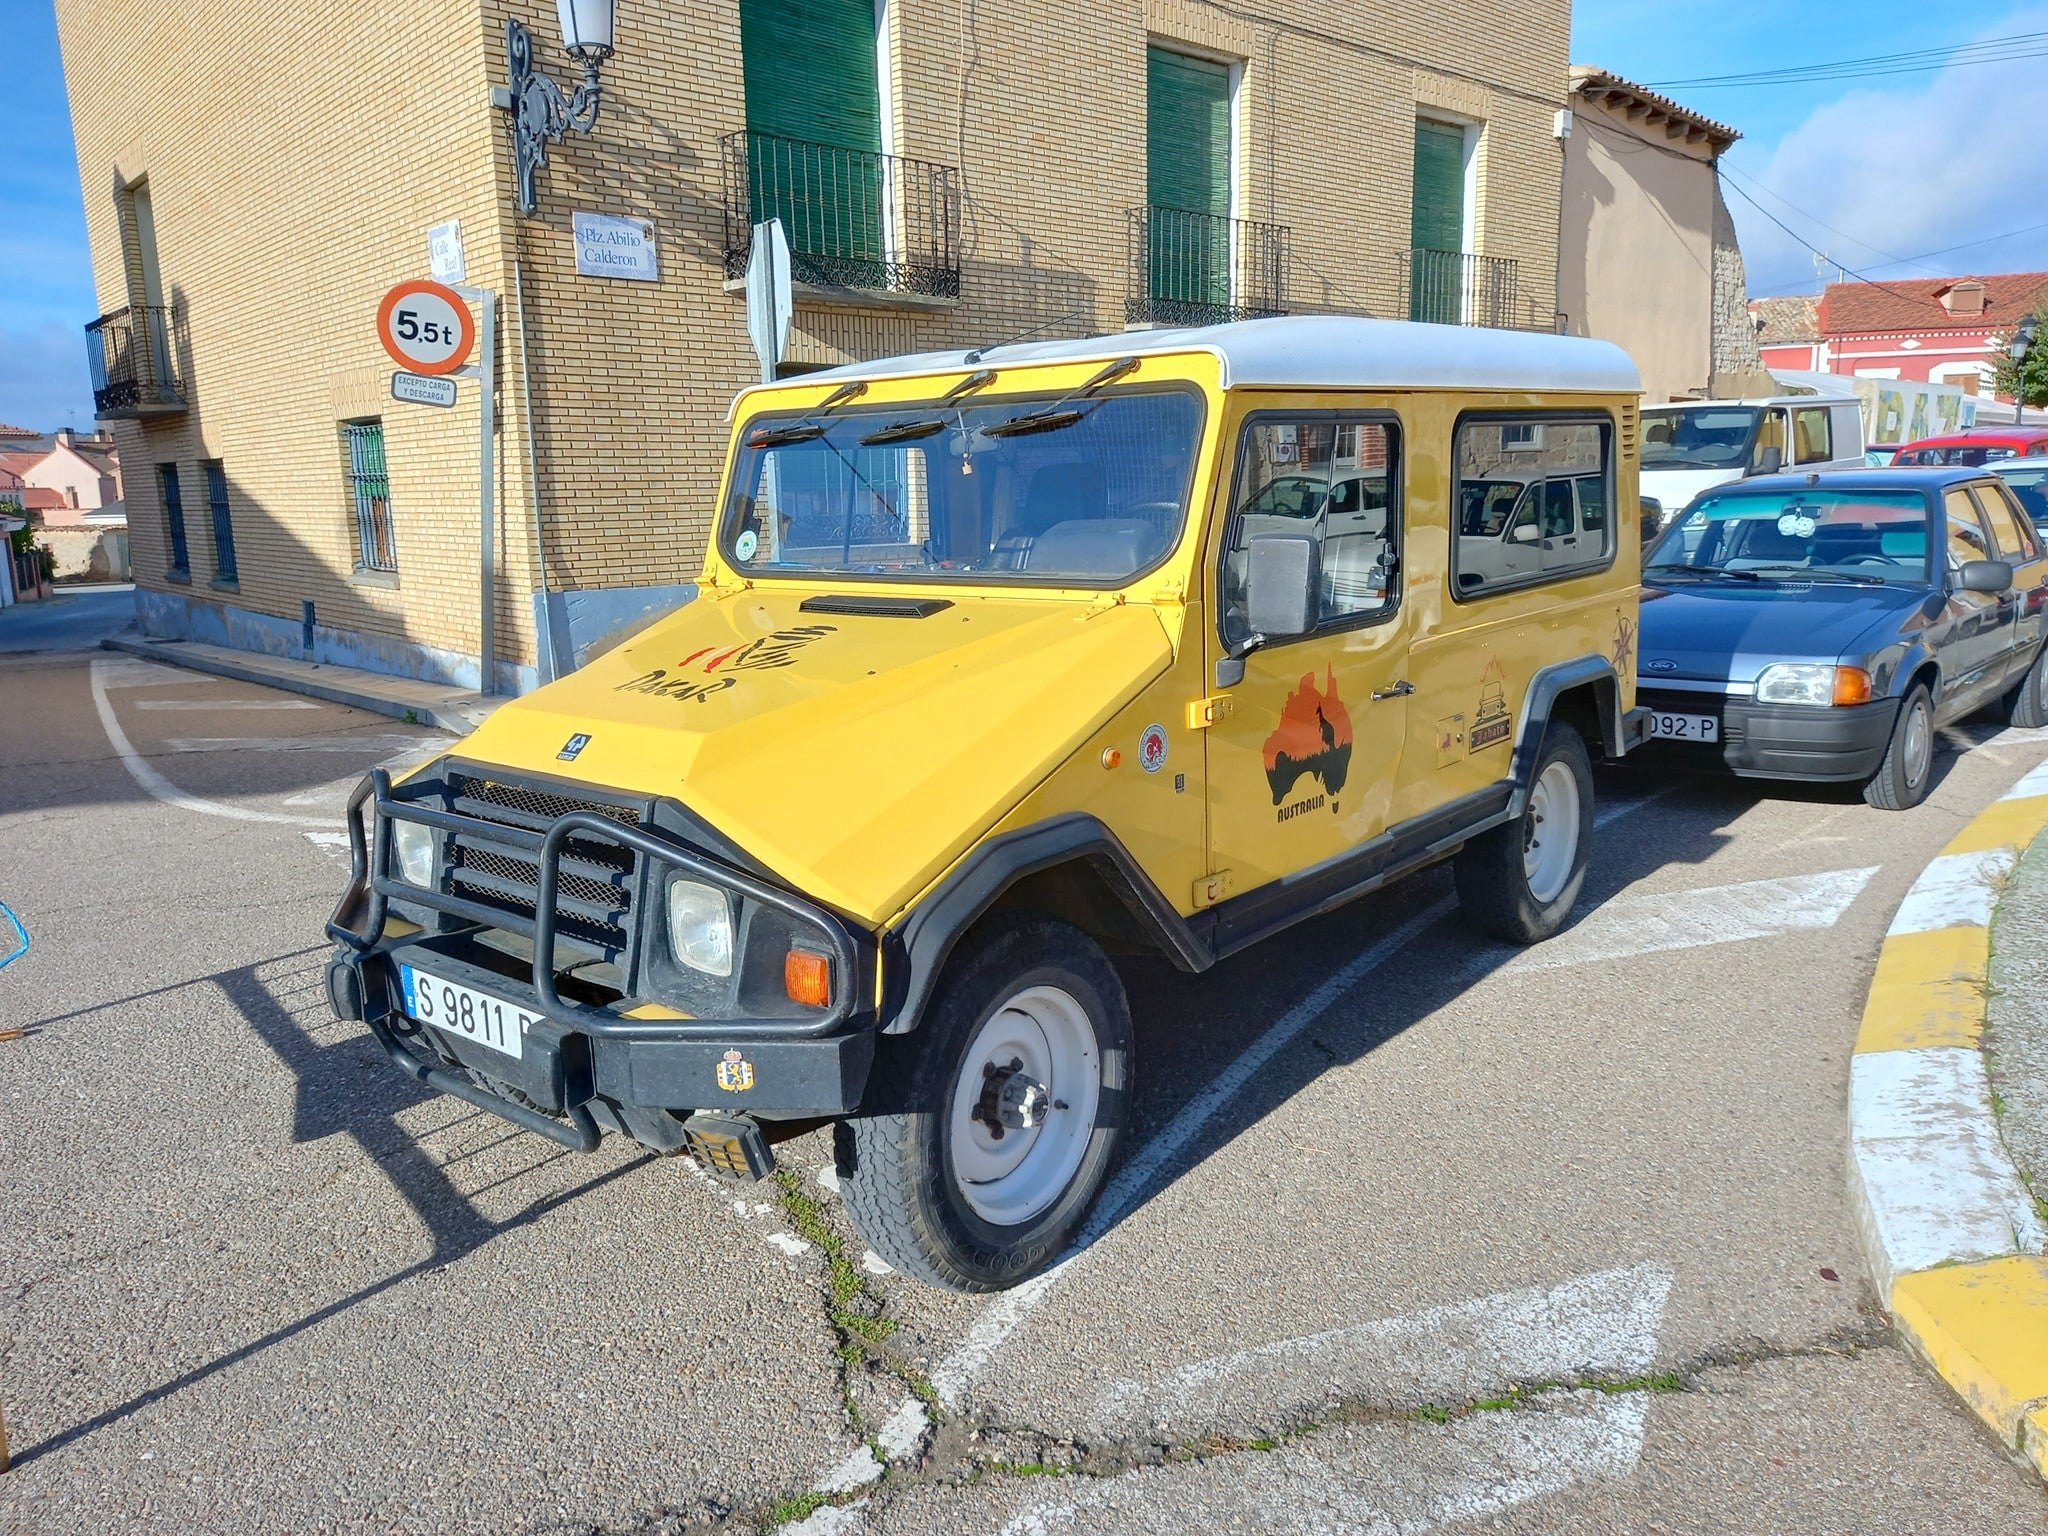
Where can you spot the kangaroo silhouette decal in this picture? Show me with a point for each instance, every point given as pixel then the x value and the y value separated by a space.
pixel 1313 737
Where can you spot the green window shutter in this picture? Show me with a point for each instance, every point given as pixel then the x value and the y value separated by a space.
pixel 1187 168
pixel 1436 283
pixel 810 72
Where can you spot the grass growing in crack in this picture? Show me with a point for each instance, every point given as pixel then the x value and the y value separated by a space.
pixel 793 1508
pixel 1523 1393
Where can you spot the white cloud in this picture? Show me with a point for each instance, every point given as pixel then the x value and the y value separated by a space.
pixel 1931 163
pixel 43 379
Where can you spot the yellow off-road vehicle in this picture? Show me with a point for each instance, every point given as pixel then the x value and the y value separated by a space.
pixel 1005 662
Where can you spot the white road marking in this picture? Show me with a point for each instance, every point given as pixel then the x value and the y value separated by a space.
pixel 789 1243
pixel 134 672
pixel 904 1430
pixel 875 1264
pixel 1603 1323
pixel 1955 890
pixel 160 788
pixel 1366 1480
pixel 215 706
pixel 295 743
pixel 2033 782
pixel 828 1178
pixel 1933 1181
pixel 333 844
pixel 1716 914
pixel 832 1520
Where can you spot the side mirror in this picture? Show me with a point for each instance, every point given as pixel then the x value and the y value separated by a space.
pixel 1283 585
pixel 1989 576
pixel 1652 519
pixel 1525 533
pixel 1769 460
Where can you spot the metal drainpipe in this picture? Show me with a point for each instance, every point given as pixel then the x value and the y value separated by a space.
pixel 540 548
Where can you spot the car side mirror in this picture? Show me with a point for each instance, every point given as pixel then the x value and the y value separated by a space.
pixel 1524 533
pixel 1652 518
pixel 1990 576
pixel 1769 460
pixel 1283 585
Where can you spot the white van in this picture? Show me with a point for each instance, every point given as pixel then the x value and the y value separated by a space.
pixel 1691 445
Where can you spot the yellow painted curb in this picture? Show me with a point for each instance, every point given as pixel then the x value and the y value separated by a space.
pixel 2006 824
pixel 1984 1327
pixel 2036 1434
pixel 1928 990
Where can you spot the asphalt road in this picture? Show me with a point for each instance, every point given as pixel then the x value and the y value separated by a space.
pixel 1414 1232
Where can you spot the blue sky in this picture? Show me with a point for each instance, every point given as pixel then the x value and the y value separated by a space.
pixel 1913 163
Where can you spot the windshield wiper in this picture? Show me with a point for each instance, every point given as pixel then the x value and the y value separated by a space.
pixel 1854 578
pixel 1701 570
pixel 1052 417
pixel 904 431
pixel 804 431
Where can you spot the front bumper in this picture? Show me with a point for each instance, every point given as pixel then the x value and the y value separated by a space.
pixel 586 1065
pixel 1786 741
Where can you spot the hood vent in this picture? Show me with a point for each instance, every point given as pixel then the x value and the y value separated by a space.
pixel 876 607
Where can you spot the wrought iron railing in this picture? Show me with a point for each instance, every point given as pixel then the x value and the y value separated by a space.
pixel 853 218
pixel 1460 288
pixel 1188 268
pixel 133 356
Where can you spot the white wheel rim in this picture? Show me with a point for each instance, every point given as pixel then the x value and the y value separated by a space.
pixel 1041 1039
pixel 1550 833
pixel 1918 746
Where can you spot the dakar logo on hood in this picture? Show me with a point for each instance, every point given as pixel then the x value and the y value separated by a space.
pixel 1313 737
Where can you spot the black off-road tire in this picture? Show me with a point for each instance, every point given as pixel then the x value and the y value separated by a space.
pixel 895 1169
pixel 1893 787
pixel 2027 705
pixel 1492 880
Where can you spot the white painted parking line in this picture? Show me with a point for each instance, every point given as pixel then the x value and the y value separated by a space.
pixel 334 844
pixel 382 743
pixel 1596 1324
pixel 134 672
pixel 1955 890
pixel 216 706
pixel 1718 914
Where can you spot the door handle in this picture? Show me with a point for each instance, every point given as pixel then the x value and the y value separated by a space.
pixel 1398 690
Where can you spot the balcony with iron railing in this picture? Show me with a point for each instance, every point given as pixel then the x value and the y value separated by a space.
pixel 133 356
pixel 1189 268
pixel 853 218
pixel 1460 288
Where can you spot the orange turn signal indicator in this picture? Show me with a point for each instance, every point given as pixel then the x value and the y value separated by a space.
pixel 807 978
pixel 1852 685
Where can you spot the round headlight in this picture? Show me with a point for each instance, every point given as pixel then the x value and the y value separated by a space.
pixel 414 846
pixel 700 927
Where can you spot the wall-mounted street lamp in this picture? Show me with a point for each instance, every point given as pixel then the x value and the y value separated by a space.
pixel 541 112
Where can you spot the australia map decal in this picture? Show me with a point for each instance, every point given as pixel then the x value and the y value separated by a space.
pixel 1313 737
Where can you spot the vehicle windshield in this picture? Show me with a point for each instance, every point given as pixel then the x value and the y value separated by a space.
pixel 1699 436
pixel 2029 482
pixel 1086 491
pixel 1812 533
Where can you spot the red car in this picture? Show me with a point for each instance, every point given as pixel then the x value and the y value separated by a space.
pixel 1979 445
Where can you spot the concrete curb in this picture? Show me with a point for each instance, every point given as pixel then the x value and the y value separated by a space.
pixel 449 709
pixel 1949 1229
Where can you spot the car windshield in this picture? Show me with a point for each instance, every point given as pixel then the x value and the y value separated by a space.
pixel 1699 436
pixel 1088 491
pixel 1812 533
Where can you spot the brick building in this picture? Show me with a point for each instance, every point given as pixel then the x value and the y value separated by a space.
pixel 257 175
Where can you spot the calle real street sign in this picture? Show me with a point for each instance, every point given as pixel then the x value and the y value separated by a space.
pixel 423 389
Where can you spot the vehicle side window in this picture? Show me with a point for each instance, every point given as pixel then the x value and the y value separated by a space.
pixel 1334 481
pixel 2011 530
pixel 1810 440
pixel 1559 480
pixel 1966 537
pixel 1770 433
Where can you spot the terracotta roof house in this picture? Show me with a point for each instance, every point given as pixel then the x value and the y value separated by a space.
pixel 1942 330
pixel 1793 320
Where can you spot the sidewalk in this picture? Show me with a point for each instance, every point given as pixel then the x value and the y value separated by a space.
pixel 455 710
pixel 1952 1232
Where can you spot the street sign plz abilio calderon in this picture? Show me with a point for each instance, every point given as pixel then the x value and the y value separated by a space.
pixel 429 332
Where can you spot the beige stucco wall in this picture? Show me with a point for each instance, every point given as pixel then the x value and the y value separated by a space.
pixel 280 223
pixel 1636 247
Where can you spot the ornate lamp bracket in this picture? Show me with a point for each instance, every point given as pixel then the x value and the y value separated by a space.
pixel 541 113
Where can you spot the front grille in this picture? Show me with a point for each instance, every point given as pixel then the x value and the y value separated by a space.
pixel 594 889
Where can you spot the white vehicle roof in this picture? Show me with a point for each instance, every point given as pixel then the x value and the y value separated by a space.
pixel 1319 352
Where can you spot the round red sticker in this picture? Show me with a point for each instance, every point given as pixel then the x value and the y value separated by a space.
pixel 1152 748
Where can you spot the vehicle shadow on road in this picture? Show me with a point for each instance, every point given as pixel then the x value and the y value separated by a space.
pixel 343 1087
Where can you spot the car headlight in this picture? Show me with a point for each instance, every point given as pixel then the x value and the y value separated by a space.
pixel 1817 683
pixel 700 927
pixel 414 845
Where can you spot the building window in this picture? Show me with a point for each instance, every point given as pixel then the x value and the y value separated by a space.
pixel 370 484
pixel 1439 224
pixel 1335 483
pixel 224 568
pixel 1527 516
pixel 174 519
pixel 1187 180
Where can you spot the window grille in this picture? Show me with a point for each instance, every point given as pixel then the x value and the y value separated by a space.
pixel 174 518
pixel 224 568
pixel 370 483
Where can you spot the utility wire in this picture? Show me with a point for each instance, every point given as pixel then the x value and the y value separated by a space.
pixel 1991 50
pixel 1778 197
pixel 1916 298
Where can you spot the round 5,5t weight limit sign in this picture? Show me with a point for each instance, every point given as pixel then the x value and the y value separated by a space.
pixel 426 327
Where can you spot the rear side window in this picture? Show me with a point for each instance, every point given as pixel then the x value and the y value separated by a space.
pixel 2010 530
pixel 1967 539
pixel 1335 480
pixel 1810 440
pixel 1534 499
